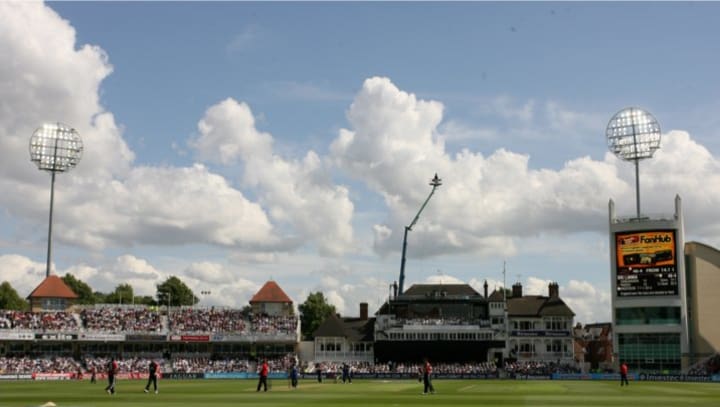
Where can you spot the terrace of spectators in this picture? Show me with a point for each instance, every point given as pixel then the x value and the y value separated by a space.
pixel 140 319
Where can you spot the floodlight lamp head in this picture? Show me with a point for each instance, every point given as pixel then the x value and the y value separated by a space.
pixel 633 134
pixel 436 181
pixel 55 147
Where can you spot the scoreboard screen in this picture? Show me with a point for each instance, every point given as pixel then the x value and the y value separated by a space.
pixel 646 263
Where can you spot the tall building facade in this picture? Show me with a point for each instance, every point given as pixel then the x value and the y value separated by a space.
pixel 703 277
pixel 648 291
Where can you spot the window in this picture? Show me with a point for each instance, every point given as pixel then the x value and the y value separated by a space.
pixel 527 347
pixel 648 316
pixel 55 304
pixel 651 352
pixel 556 324
pixel 526 325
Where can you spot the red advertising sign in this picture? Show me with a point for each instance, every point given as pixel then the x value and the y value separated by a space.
pixel 195 338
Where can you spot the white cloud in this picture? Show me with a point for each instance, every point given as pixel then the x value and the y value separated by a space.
pixel 457 132
pixel 337 299
pixel 588 302
pixel 299 193
pixel 443 279
pixel 479 285
pixel 225 288
pixel 165 206
pixel 236 293
pixel 208 272
pixel 244 40
pixel 490 203
pixel 125 269
pixel 536 286
pixel 228 133
pixel 487 203
pixel 105 201
pixel 22 273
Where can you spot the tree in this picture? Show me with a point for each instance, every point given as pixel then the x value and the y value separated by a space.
pixel 145 300
pixel 9 298
pixel 174 292
pixel 313 312
pixel 123 294
pixel 100 298
pixel 83 291
pixel 246 310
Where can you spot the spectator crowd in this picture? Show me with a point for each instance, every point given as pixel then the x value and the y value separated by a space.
pixel 138 319
pixel 538 368
pixel 709 366
pixel 40 321
pixel 66 364
pixel 116 320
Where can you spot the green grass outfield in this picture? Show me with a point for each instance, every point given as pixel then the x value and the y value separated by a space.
pixel 216 393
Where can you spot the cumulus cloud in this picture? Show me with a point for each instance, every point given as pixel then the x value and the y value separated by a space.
pixel 298 192
pixel 227 289
pixel 228 133
pixel 108 201
pixel 444 279
pixel 491 203
pixel 22 273
pixel 488 202
pixel 479 285
pixel 125 269
pixel 209 272
pixel 589 303
pixel 337 299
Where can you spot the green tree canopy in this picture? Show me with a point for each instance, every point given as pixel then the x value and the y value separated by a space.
pixel 313 312
pixel 9 298
pixel 145 300
pixel 123 294
pixel 100 297
pixel 79 287
pixel 174 292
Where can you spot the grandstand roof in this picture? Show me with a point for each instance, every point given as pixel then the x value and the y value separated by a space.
pixel 52 287
pixel 270 292
pixel 453 290
pixel 354 329
pixel 537 306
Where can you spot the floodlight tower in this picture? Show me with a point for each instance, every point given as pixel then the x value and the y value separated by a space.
pixel 54 148
pixel 435 182
pixel 633 134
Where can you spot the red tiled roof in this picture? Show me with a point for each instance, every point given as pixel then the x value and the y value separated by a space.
pixel 52 287
pixel 270 292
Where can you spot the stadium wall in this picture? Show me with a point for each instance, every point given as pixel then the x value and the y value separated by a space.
pixel 445 351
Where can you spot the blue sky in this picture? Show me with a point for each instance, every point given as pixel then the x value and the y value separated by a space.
pixel 229 143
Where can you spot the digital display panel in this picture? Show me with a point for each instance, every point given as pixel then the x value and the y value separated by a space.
pixel 646 263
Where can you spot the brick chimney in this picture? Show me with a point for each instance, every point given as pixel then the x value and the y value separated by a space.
pixel 485 289
pixel 554 290
pixel 517 290
pixel 364 311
